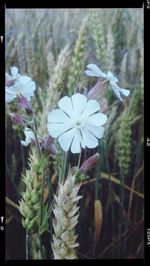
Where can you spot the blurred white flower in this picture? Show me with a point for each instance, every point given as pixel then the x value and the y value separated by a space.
pixel 77 124
pixel 96 72
pixel 14 75
pixel 29 137
pixel 117 90
pixel 17 85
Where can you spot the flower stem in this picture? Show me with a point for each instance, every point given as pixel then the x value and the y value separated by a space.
pixel 43 179
pixel 35 134
pixel 78 165
pixel 104 81
pixel 98 171
pixel 64 167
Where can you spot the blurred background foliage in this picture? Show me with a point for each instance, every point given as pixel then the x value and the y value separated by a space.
pixel 53 46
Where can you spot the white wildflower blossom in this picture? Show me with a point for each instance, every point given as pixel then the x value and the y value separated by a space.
pixel 14 74
pixel 29 137
pixel 77 124
pixel 17 85
pixel 94 71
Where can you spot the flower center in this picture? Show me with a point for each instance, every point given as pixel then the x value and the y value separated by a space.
pixel 79 123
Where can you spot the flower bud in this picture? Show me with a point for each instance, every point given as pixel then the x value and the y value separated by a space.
pixel 96 91
pixel 24 103
pixel 48 144
pixel 89 163
pixel 9 83
pixel 17 119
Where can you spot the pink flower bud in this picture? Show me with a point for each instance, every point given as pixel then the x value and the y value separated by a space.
pixel 89 163
pixel 24 103
pixel 96 91
pixel 17 119
pixel 48 144
pixel 9 83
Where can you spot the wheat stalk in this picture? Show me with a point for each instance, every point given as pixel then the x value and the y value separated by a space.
pixel 30 204
pixel 78 59
pixel 98 36
pixel 66 218
pixel 55 87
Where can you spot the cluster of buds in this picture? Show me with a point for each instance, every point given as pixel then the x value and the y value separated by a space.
pixel 17 119
pixel 25 104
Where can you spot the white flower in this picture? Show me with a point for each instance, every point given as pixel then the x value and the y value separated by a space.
pixel 14 74
pixel 117 90
pixel 29 137
pixel 96 72
pixel 19 85
pixel 77 124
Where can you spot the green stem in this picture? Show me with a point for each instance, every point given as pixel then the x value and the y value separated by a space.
pixel 35 134
pixel 97 187
pixel 43 179
pixel 78 165
pixel 63 167
pixel 110 193
pixel 98 171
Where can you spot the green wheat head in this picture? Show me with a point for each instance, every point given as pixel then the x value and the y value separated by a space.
pixel 98 36
pixel 78 59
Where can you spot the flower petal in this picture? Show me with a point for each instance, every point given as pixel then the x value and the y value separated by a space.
pixel 96 70
pixel 25 143
pixel 58 116
pixel 111 77
pixel 79 102
pixel 66 139
pixel 75 147
pixel 24 79
pixel 30 86
pixel 96 119
pixel 9 97
pixel 56 129
pixel 91 107
pixel 91 73
pixel 8 77
pixel 125 92
pixel 88 138
pixel 14 71
pixel 96 131
pixel 29 134
pixel 10 90
pixel 24 87
pixel 83 143
pixel 66 105
pixel 116 91
pixel 27 96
